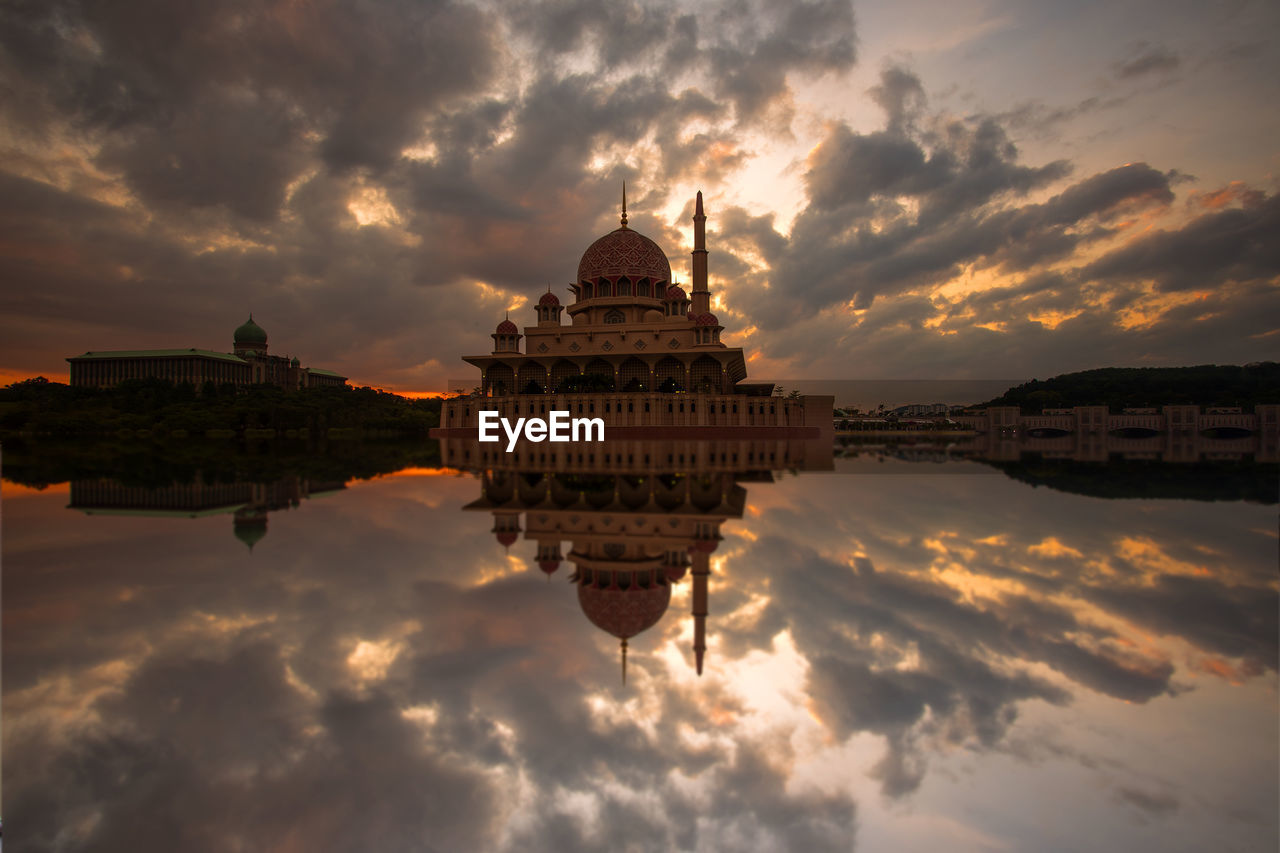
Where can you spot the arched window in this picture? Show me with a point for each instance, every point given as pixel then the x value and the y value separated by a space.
pixel 532 378
pixel 705 375
pixel 623 288
pixel 615 316
pixel 633 375
pixel 562 372
pixel 500 380
pixel 669 375
pixel 643 288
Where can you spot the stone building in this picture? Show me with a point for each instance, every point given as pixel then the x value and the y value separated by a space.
pixel 249 363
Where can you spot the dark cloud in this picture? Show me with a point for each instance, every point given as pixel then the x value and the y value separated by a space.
pixel 1234 245
pixel 1153 804
pixel 1147 59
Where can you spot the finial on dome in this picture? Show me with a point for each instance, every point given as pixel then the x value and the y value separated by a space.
pixel 624 204
pixel 624 661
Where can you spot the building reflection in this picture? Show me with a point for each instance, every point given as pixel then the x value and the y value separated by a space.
pixel 248 503
pixel 637 517
pixel 1175 447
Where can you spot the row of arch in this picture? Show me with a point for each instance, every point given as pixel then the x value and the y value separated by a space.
pixel 669 374
pixel 705 492
pixel 643 288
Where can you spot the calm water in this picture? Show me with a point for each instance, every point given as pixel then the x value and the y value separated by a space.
pixel 900 655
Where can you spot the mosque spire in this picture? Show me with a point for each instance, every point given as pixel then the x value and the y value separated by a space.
pixel 701 297
pixel 624 204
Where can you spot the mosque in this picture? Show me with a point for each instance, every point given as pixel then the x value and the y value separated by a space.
pixel 249 363
pixel 638 352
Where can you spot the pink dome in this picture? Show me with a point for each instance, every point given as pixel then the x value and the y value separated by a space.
pixel 674 573
pixel 624 252
pixel 675 293
pixel 548 298
pixel 507 539
pixel 549 566
pixel 707 320
pixel 506 327
pixel 624 612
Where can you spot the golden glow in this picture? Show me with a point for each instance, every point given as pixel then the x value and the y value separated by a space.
pixel 1148 555
pixel 425 472
pixel 11 489
pixel 1051 547
pixel 370 660
pixel 371 206
pixel 1053 319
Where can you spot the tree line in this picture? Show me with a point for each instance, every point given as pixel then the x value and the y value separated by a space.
pixel 41 407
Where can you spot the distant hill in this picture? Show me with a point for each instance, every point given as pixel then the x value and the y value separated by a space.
pixel 1120 387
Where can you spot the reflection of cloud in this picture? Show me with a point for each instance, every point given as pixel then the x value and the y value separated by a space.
pixel 406 700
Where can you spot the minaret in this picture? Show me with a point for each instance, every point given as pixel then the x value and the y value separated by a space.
pixel 701 297
pixel 701 570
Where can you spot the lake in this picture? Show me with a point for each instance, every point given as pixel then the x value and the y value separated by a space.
pixel 908 650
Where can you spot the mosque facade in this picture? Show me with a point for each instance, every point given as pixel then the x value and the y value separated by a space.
pixel 631 347
pixel 249 363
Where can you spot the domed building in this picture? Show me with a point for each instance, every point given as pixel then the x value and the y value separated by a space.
pixel 630 346
pixel 248 363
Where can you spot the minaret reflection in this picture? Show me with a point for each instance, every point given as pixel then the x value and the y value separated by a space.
pixel 638 517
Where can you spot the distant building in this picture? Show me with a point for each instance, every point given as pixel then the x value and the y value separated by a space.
pixel 917 410
pixel 247 364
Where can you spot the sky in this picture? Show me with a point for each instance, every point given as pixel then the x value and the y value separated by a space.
pixel 909 190
pixel 895 661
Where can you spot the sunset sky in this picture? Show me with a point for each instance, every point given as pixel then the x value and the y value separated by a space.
pixel 906 190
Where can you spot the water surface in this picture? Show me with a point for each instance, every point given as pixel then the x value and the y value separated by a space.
pixel 901 654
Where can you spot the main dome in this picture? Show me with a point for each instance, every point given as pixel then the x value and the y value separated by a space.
pixel 250 333
pixel 624 612
pixel 624 252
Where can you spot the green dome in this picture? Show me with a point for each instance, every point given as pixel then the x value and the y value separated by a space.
pixel 250 333
pixel 250 532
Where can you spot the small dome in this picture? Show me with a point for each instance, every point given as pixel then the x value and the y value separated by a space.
pixel 250 333
pixel 624 252
pixel 653 315
pixel 506 539
pixel 706 546
pixel 674 573
pixel 295 362
pixel 506 327
pixel 549 566
pixel 548 298
pixel 707 320
pixel 675 293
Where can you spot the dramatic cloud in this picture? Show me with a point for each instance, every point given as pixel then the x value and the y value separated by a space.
pixel 379 182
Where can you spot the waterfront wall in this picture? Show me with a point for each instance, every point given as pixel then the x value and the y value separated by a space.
pixel 1087 419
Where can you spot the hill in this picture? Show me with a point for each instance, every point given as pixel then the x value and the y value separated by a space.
pixel 1120 387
